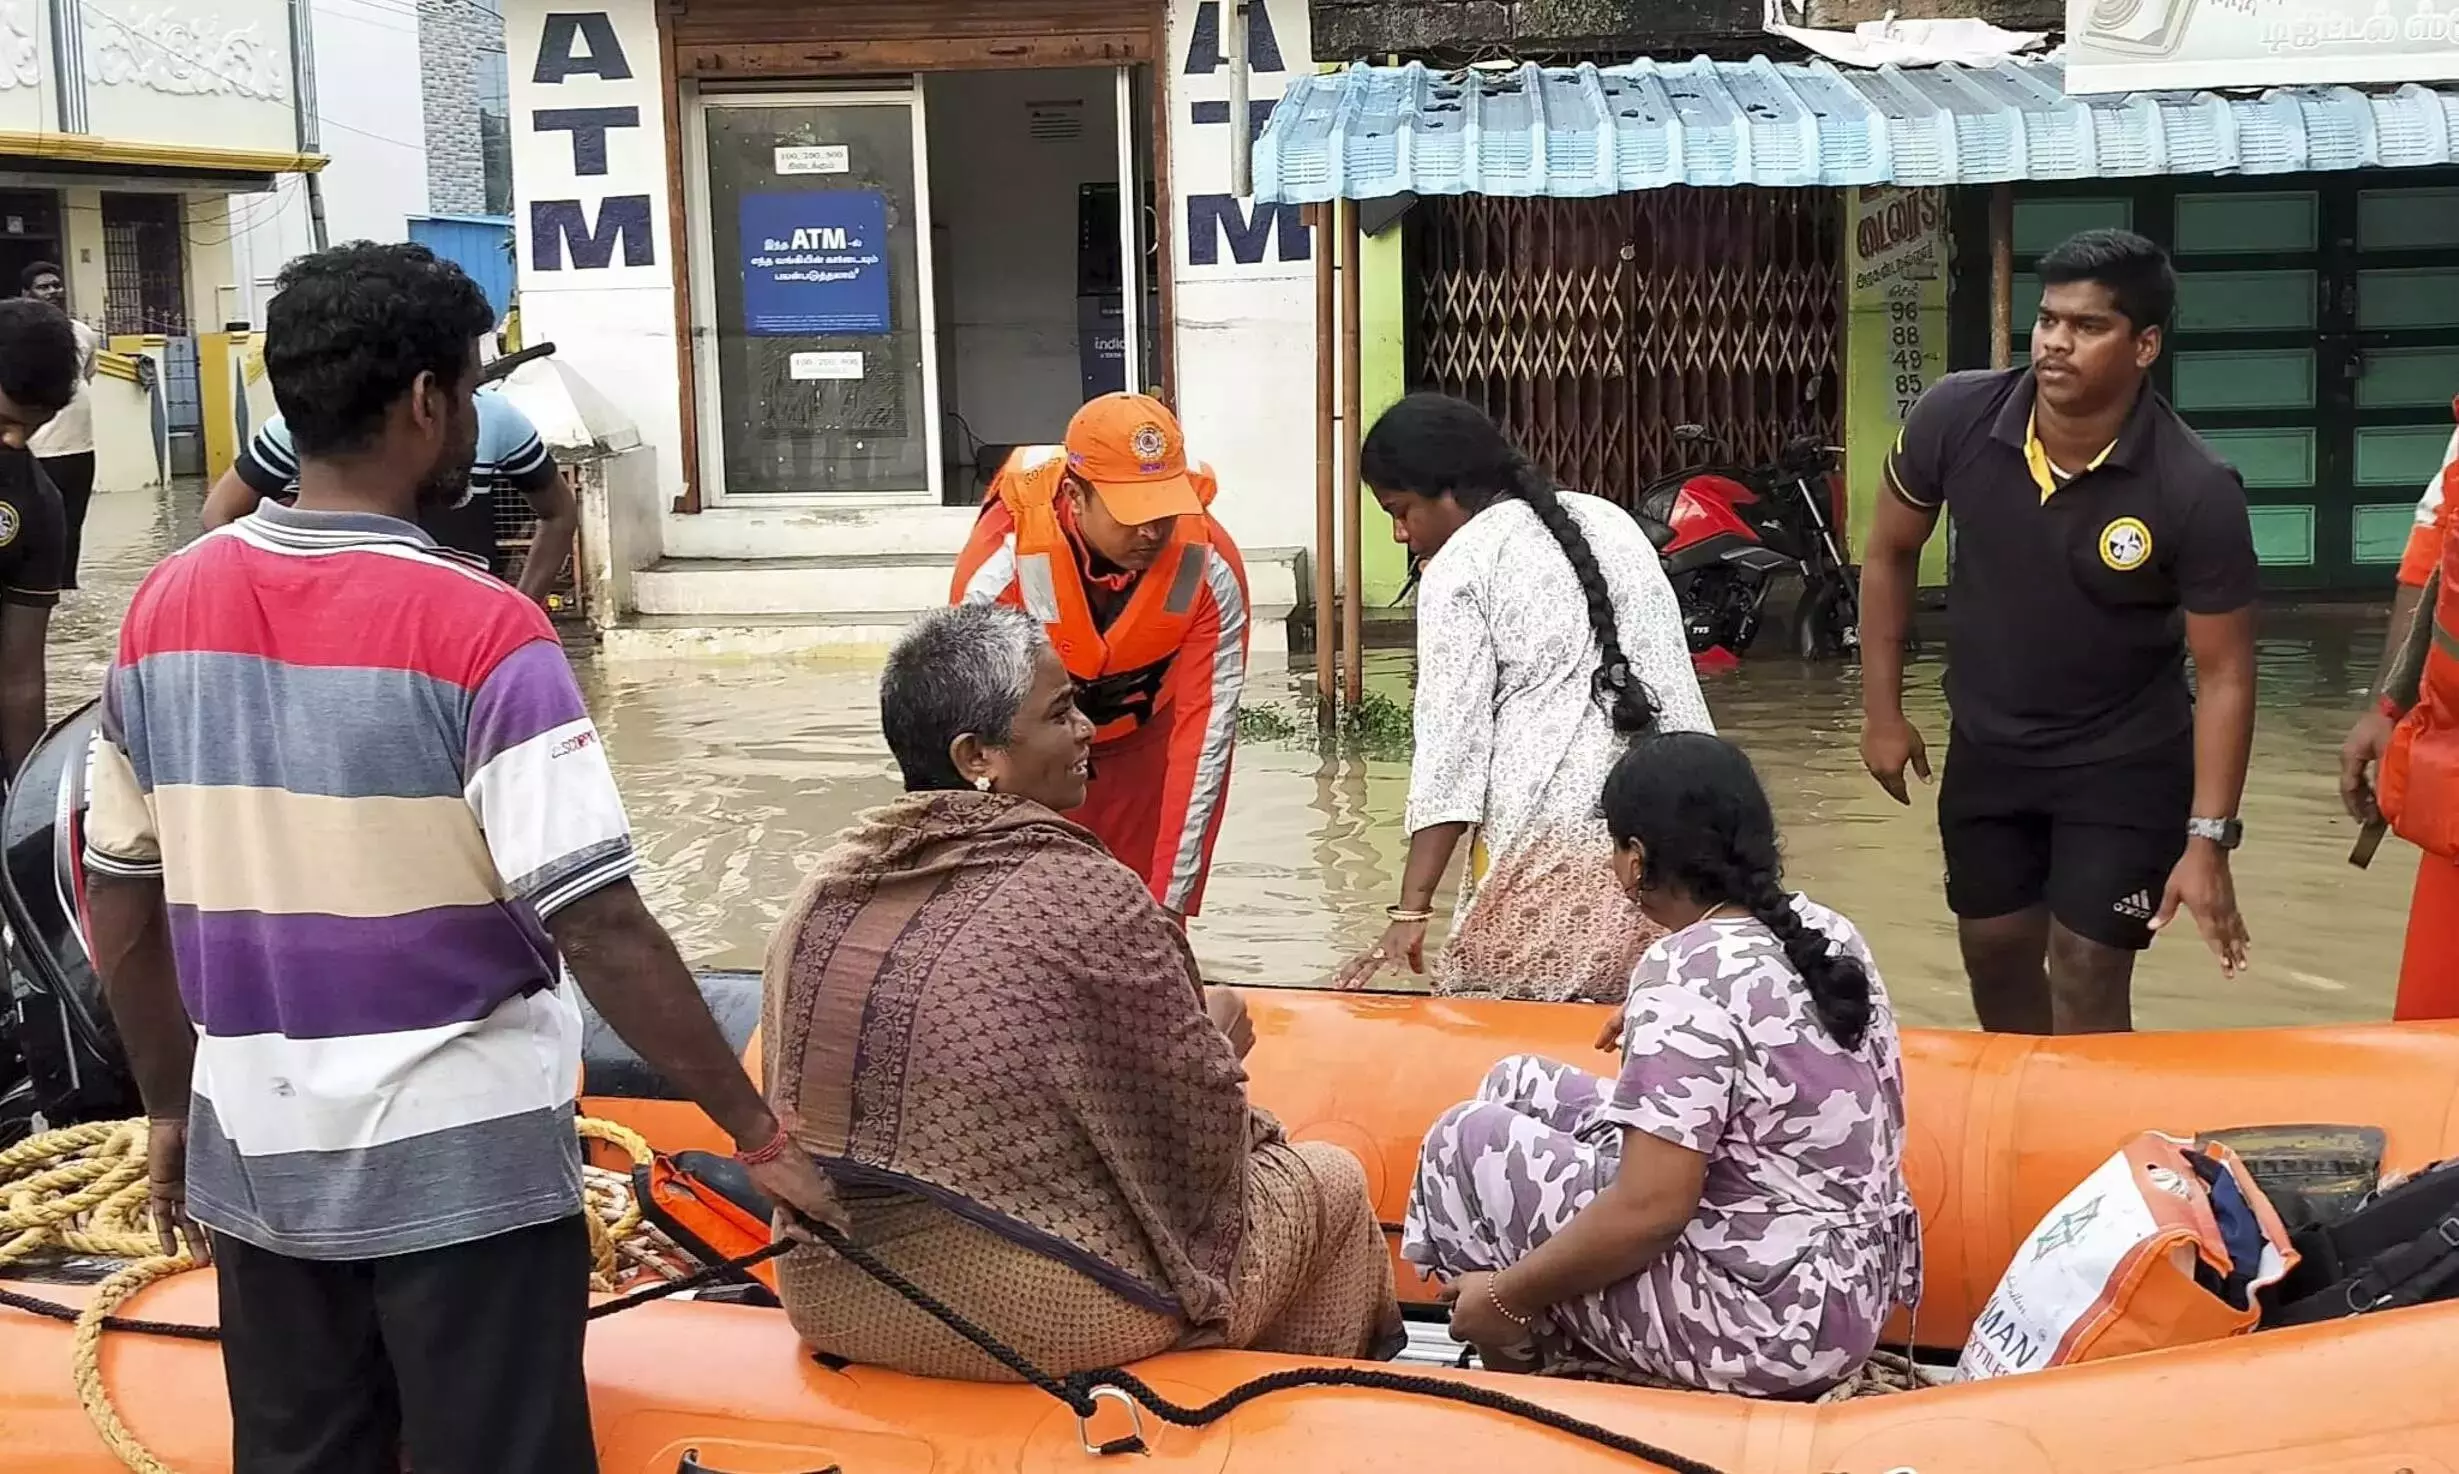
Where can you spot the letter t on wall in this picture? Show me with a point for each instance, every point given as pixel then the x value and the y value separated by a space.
pixel 588 126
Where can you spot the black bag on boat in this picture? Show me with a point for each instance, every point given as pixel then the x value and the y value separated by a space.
pixel 2399 1247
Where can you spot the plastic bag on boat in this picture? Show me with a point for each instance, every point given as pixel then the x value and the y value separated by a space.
pixel 2166 1244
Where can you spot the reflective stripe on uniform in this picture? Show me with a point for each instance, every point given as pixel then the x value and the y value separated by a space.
pixel 1041 594
pixel 1229 675
pixel 992 579
pixel 1192 562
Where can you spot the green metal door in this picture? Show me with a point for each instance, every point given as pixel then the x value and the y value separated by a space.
pixel 2316 341
pixel 2398 304
pixel 2246 365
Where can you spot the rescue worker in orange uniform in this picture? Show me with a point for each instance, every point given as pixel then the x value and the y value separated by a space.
pixel 1108 540
pixel 2400 765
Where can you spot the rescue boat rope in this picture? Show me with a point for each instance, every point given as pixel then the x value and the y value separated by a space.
pixel 82 1189
pixel 1078 1390
pixel 87 1194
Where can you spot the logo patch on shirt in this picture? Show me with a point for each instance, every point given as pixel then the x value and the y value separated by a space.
pixel 9 523
pixel 2126 544
pixel 572 744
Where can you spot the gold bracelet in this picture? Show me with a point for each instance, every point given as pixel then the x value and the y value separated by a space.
pixel 1408 914
pixel 1524 1322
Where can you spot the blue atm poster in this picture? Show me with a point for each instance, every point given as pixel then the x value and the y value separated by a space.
pixel 815 264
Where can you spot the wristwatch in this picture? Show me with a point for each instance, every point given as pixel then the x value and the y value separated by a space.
pixel 2228 834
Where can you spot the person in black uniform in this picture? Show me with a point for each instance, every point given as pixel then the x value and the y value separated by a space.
pixel 2088 794
pixel 39 373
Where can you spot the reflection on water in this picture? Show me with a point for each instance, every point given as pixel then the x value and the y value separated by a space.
pixel 738 775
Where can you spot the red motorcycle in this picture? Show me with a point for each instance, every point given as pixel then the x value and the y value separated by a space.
pixel 1728 535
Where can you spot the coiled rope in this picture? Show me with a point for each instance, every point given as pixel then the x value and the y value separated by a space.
pixel 83 1189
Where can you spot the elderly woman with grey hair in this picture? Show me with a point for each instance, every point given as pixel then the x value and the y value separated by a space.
pixel 986 1031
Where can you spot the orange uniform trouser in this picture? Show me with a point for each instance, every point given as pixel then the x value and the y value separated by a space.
pixel 1125 808
pixel 2429 970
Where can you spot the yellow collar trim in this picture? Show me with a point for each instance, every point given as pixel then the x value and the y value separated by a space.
pixel 2036 457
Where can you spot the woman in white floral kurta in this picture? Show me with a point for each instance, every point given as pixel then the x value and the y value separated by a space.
pixel 1547 636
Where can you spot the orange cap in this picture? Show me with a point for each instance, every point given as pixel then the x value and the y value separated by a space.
pixel 1129 449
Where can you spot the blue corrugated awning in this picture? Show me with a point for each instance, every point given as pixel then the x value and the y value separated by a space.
pixel 1573 132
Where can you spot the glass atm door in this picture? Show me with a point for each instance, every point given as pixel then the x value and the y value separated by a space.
pixel 815 341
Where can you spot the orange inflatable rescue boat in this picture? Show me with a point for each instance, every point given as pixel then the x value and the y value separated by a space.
pixel 2002 1127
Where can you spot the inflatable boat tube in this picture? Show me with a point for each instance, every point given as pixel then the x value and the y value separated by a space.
pixel 2001 1128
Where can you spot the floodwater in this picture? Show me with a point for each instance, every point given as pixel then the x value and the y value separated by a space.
pixel 737 775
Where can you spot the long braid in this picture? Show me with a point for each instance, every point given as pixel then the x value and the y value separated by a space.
pixel 1626 699
pixel 1692 807
pixel 1838 985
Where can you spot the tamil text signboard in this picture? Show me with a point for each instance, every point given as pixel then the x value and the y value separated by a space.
pixel 2153 45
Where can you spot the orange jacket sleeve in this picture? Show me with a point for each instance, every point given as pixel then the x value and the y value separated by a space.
pixel 986 569
pixel 1202 694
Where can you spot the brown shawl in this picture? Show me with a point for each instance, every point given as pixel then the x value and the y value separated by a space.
pixel 973 1001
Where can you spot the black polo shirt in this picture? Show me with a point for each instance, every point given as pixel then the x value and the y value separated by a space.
pixel 33 532
pixel 2065 607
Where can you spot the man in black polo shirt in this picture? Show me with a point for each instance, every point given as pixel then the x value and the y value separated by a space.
pixel 40 360
pixel 2088 793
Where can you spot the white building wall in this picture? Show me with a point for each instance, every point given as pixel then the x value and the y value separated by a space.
pixel 1245 283
pixel 599 283
pixel 371 126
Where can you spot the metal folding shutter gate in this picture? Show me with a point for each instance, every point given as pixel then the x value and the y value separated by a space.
pixel 1591 328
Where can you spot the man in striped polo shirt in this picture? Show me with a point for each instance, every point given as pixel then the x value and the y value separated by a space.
pixel 510 458
pixel 348 811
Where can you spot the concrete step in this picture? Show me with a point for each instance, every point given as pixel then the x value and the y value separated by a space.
pixel 732 532
pixel 895 584
pixel 726 588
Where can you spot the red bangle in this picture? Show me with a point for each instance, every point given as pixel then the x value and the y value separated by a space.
pixel 769 1151
pixel 2390 708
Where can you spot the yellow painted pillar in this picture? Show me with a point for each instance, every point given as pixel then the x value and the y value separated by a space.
pixel 1383 376
pixel 219 397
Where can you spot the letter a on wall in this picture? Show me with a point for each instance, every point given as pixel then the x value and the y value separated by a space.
pixel 580 43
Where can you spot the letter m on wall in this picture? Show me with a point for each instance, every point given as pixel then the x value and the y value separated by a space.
pixel 561 227
pixel 1215 218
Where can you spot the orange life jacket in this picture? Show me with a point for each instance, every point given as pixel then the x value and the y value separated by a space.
pixel 703 1221
pixel 2418 788
pixel 1126 661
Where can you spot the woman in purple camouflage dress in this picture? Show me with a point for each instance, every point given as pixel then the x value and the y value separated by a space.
pixel 1729 1213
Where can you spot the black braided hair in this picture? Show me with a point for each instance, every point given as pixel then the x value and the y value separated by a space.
pixel 1693 805
pixel 1432 445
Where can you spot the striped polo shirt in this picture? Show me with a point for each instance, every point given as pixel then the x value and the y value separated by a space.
pixel 510 458
pixel 364 774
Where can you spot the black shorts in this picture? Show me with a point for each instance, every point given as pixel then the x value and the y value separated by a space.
pixel 466 1360
pixel 2095 842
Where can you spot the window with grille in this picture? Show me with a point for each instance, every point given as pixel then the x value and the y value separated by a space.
pixel 144 265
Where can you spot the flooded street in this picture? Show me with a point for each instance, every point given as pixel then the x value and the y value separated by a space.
pixel 737 775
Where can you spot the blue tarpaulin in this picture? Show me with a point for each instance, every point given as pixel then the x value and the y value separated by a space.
pixel 1573 132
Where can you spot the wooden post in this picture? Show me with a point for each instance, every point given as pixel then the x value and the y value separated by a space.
pixel 1352 485
pixel 1319 220
pixel 2001 275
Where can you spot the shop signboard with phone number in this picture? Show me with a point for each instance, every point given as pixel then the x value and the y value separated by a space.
pixel 1896 254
